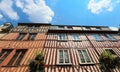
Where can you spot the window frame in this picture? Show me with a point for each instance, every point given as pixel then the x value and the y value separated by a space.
pixel 32 35
pixel 69 27
pixel 23 35
pixel 86 63
pixel 58 57
pixel 111 52
pixel 88 28
pixel 97 37
pixel 110 37
pixel 5 52
pixel 61 27
pixel 60 39
pixel 98 28
pixel 77 36
pixel 13 61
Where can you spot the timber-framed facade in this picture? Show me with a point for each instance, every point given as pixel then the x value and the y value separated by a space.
pixel 67 48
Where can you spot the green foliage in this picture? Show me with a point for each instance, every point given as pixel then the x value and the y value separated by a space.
pixel 37 65
pixel 109 61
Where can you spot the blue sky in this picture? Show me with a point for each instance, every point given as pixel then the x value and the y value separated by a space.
pixel 64 12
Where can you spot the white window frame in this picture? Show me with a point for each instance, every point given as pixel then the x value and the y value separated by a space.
pixel 97 37
pixel 85 63
pixel 76 38
pixel 58 59
pixel 62 39
pixel 110 37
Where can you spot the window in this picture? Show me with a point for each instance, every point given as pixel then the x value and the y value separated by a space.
pixel 32 36
pixel 110 37
pixel 69 28
pixel 21 36
pixel 62 37
pixel 111 51
pixel 84 57
pixel 61 27
pixel 98 28
pixel 16 59
pixel 88 28
pixel 4 54
pixel 75 37
pixel 97 37
pixel 64 57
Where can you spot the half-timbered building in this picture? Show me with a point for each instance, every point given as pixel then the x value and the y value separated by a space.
pixel 66 48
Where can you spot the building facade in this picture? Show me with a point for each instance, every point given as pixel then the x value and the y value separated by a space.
pixel 4 29
pixel 66 48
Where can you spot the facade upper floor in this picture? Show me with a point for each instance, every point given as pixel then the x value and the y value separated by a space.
pixel 47 27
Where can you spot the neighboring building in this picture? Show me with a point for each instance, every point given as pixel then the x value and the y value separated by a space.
pixel 20 45
pixel 5 28
pixel 67 48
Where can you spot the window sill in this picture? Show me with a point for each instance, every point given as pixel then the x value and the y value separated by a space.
pixel 11 66
pixel 113 40
pixel 62 40
pixel 64 64
pixel 99 40
pixel 87 63
pixel 77 40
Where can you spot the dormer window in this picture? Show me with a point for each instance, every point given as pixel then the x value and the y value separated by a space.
pixel 69 28
pixel 88 28
pixel 61 27
pixel 98 28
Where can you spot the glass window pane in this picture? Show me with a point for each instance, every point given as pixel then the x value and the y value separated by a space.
pixel 97 37
pixel 111 51
pixel 61 27
pixel 75 37
pixel 110 37
pixel 66 57
pixel 70 28
pixel 62 37
pixel 86 56
pixel 13 58
pixel 18 55
pixel 61 56
pixel 81 56
pixel 4 54
pixel 21 36
pixel 32 36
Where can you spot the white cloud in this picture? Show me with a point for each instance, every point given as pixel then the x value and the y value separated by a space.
pixel 6 8
pixel 99 6
pixel 1 16
pixel 37 10
pixel 118 1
